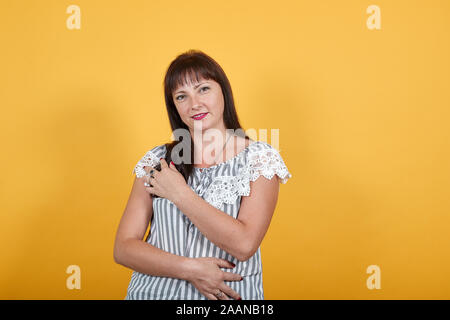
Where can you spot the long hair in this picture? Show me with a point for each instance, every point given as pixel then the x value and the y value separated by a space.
pixel 195 64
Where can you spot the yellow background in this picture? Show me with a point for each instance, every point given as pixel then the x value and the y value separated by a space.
pixel 364 130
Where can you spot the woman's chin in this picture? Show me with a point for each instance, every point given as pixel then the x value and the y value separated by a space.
pixel 204 125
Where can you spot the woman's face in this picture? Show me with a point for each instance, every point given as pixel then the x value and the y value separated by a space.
pixel 195 98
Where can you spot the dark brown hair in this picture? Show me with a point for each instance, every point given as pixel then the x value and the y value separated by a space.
pixel 195 64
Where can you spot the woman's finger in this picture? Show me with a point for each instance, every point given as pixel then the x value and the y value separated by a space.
pixel 225 263
pixel 149 170
pixel 230 292
pixel 210 296
pixel 220 295
pixel 150 182
pixel 224 297
pixel 230 276
pixel 163 163
pixel 153 181
pixel 150 190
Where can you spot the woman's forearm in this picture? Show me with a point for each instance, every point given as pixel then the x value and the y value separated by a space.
pixel 220 228
pixel 141 256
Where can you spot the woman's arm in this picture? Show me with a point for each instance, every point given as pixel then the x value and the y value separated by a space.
pixel 134 253
pixel 129 248
pixel 145 258
pixel 240 237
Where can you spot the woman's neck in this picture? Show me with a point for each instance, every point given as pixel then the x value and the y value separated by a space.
pixel 209 147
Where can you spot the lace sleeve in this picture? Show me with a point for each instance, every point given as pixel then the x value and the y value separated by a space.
pixel 263 160
pixel 150 159
pixel 267 161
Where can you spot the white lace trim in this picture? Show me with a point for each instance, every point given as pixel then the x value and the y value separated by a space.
pixel 225 189
pixel 149 159
pixel 265 162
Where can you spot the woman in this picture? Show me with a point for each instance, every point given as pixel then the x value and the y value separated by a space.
pixel 208 218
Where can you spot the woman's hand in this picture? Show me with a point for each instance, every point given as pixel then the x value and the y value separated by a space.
pixel 206 276
pixel 168 183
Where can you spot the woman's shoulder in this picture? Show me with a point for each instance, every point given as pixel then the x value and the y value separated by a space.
pixel 150 158
pixel 261 146
pixel 156 152
pixel 159 150
pixel 264 159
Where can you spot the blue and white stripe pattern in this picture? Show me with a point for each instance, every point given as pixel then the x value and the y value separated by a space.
pixel 222 186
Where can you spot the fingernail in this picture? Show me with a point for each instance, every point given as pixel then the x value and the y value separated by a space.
pixel 239 298
pixel 160 159
pixel 172 163
pixel 234 266
pixel 241 279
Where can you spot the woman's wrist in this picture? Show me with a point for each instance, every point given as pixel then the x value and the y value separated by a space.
pixel 187 269
pixel 182 196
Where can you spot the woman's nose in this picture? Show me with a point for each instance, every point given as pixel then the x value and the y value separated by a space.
pixel 195 102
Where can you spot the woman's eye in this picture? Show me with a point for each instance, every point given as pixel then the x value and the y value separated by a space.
pixel 181 96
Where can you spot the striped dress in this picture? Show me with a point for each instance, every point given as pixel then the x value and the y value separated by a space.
pixel 222 186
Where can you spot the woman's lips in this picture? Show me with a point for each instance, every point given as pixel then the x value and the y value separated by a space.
pixel 200 116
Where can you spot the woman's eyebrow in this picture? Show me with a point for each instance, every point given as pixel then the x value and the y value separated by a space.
pixel 195 87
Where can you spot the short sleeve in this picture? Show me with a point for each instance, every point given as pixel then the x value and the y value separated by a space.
pixel 265 160
pixel 151 158
pixel 262 160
